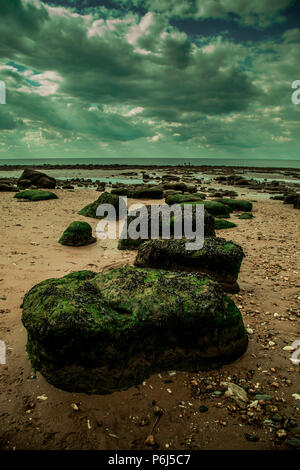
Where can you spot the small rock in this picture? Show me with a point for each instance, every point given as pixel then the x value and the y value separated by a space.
pixel 263 397
pixel 251 437
pixel 203 408
pixel 237 393
pixel 149 441
pixel 277 418
pixel 288 348
pixel 293 441
pixel 281 433
pixel 42 397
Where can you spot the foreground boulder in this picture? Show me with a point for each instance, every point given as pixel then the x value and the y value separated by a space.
pixel 35 195
pixel 131 244
pixel 107 332
pixel 77 234
pixel 218 258
pixel 36 178
pixel 105 198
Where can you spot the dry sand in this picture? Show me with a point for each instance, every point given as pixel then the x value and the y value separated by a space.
pixel 269 282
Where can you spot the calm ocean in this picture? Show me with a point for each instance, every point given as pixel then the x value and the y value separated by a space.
pixel 263 163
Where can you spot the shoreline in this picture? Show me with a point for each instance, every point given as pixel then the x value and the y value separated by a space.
pixel 117 166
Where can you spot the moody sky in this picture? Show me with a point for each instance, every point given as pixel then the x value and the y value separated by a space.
pixel 145 78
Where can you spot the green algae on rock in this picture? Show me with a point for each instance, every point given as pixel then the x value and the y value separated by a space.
pixel 178 198
pixel 77 234
pixel 100 333
pixel 139 192
pixel 236 204
pixel 246 215
pixel 35 195
pixel 105 198
pixel 215 208
pixel 218 258
pixel 223 224
pixel 130 244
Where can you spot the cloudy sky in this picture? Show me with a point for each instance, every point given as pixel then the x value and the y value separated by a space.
pixel 149 78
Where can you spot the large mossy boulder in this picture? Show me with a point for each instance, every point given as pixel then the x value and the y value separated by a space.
pixel 107 332
pixel 218 258
pixel 77 234
pixel 236 204
pixel 131 244
pixel 178 198
pixel 36 178
pixel 35 195
pixel 105 198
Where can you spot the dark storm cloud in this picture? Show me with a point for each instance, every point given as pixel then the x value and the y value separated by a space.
pixel 133 78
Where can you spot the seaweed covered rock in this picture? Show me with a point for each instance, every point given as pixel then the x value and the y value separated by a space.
pixel 146 192
pixel 121 191
pixel 77 234
pixel 107 332
pixel 35 195
pixel 236 204
pixel 105 198
pixel 213 207
pixel 246 216
pixel 131 244
pixel 218 258
pixel 139 191
pixel 36 178
pixel 221 224
pixel 178 198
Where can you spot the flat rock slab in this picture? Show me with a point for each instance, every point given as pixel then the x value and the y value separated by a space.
pixel 219 258
pixel 100 333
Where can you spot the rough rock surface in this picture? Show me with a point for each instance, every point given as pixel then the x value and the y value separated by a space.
pixel 236 204
pixel 77 234
pixel 139 192
pixel 99 333
pixel 218 258
pixel 178 198
pixel 213 207
pixel 36 178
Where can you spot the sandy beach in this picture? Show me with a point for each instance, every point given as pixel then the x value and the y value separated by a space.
pixel 36 415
